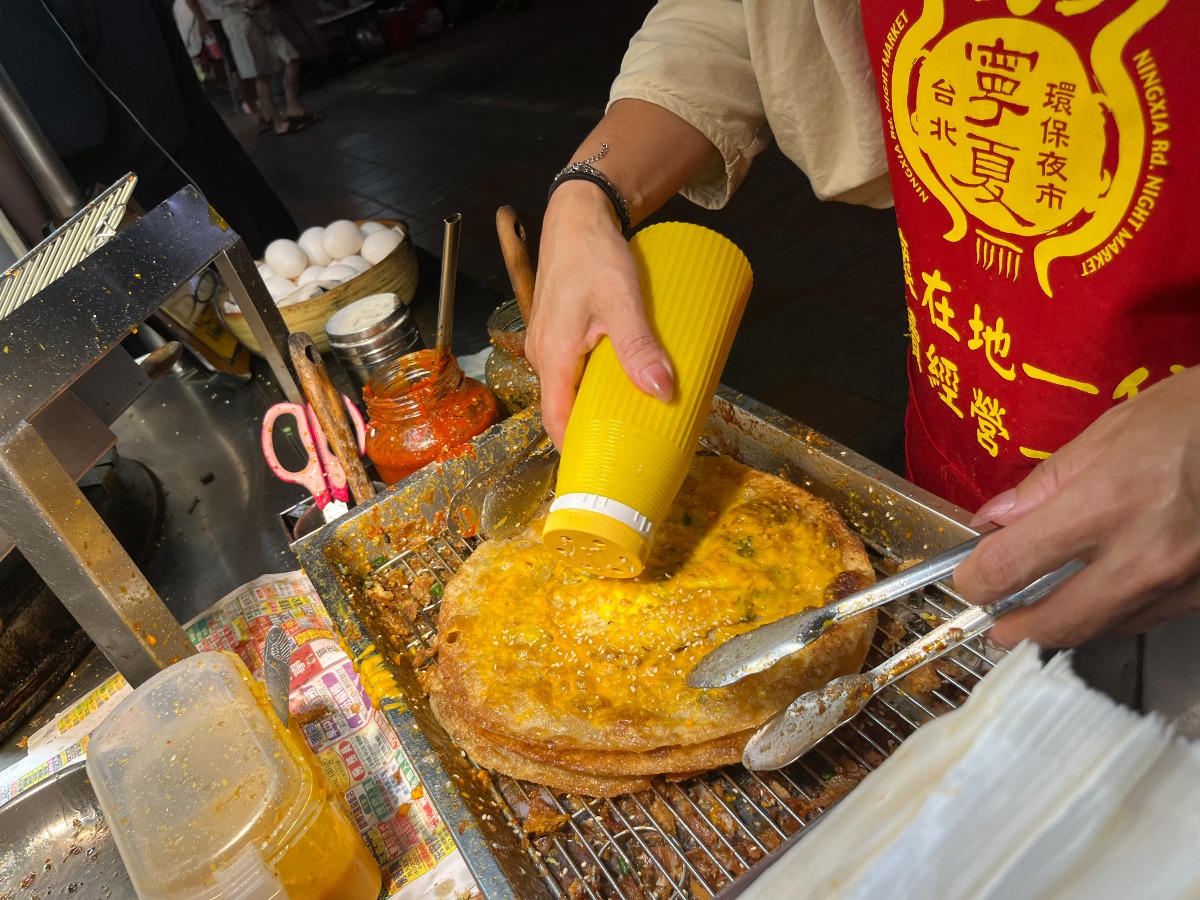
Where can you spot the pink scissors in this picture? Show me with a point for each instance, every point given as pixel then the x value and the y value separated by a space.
pixel 323 475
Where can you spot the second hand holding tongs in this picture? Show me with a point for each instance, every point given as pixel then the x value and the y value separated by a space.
pixel 758 650
pixel 812 716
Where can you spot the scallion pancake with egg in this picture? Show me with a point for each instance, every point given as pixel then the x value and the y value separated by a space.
pixel 570 672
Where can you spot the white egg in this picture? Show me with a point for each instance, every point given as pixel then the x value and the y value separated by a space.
pixel 356 262
pixel 380 244
pixel 265 271
pixel 372 227
pixel 285 258
pixel 342 239
pixel 338 274
pixel 311 242
pixel 311 274
pixel 300 294
pixel 279 287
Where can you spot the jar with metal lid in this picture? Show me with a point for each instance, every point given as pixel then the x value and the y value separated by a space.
pixel 422 409
pixel 507 371
pixel 369 333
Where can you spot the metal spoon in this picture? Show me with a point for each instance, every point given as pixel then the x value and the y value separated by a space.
pixel 277 671
pixel 515 498
pixel 473 497
pixel 812 716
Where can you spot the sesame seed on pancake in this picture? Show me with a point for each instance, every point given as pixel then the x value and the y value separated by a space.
pixel 548 670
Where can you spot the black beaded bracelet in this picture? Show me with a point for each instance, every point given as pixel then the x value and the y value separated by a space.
pixel 585 171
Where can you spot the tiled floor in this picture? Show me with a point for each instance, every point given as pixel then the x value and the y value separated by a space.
pixel 485 113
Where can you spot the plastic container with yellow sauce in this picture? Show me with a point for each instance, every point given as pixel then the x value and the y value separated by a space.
pixel 625 454
pixel 209 796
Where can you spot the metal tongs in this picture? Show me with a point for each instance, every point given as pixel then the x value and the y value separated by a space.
pixel 814 715
pixel 758 650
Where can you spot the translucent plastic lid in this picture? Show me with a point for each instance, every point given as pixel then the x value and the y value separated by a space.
pixel 191 768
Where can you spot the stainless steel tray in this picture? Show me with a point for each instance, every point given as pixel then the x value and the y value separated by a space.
pixel 696 838
pixel 57 844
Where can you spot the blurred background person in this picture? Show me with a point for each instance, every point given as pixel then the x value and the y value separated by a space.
pixel 199 23
pixel 113 89
pixel 260 51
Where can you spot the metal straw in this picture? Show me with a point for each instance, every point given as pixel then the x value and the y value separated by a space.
pixel 445 320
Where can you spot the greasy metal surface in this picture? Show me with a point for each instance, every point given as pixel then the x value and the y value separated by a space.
pixel 40 642
pixel 77 556
pixel 48 342
pixel 39 645
pixel 110 384
pixel 57 844
pixel 709 833
pixel 200 436
pixel 76 436
pixel 85 677
pixel 74 424
pixel 72 322
pixel 392 522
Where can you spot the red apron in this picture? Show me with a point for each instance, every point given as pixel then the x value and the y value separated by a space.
pixel 1045 156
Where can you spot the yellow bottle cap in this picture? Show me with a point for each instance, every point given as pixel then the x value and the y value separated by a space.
pixel 598 535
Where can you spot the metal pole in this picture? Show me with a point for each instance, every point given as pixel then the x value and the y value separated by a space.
pixel 73 551
pixel 30 144
pixel 246 287
pixel 12 239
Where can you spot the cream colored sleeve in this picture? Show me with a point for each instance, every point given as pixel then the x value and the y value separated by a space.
pixel 809 83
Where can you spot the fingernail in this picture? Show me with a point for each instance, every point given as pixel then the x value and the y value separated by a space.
pixel 995 508
pixel 657 378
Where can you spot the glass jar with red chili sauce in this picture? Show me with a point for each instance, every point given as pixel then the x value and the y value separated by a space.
pixel 423 408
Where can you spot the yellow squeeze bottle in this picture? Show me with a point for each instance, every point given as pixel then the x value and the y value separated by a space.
pixel 625 454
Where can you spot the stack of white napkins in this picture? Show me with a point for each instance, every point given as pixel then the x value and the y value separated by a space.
pixel 1037 787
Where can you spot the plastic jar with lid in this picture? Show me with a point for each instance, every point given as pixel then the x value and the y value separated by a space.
pixel 507 372
pixel 210 796
pixel 422 409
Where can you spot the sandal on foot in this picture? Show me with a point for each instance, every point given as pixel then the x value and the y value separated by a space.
pixel 293 127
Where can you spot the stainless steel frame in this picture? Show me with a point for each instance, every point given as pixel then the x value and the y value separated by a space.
pixel 47 345
pixel 702 837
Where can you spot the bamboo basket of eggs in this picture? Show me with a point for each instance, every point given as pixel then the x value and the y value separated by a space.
pixel 327 268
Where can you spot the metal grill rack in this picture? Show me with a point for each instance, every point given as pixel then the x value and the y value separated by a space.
pixel 705 836
pixel 693 838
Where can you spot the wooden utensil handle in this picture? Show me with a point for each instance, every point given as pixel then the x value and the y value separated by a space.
pixel 516 258
pixel 326 405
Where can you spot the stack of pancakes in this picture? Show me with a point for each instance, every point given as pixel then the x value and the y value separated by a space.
pixel 574 681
